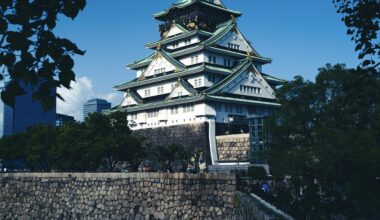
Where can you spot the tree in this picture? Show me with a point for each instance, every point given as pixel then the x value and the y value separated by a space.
pixel 31 53
pixel 40 140
pixel 326 137
pixel 68 152
pixel 362 19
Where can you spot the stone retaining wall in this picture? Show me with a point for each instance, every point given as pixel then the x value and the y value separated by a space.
pixel 116 196
pixel 192 135
pixel 233 147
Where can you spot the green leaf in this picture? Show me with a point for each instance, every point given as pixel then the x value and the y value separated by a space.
pixel 66 63
pixel 70 46
pixel 3 25
pixel 12 90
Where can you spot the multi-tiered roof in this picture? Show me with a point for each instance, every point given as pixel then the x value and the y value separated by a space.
pixel 211 24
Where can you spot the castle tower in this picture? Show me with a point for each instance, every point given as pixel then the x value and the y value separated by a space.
pixel 202 72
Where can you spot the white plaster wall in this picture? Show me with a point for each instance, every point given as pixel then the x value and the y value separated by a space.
pixel 127 101
pixel 165 118
pixel 174 30
pixel 235 38
pixel 179 91
pixel 154 88
pixel 187 60
pixel 159 63
pixel 192 79
pixel 139 72
pixel 182 43
pixel 219 59
pixel 202 112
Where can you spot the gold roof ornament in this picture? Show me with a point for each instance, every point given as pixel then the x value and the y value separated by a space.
pixel 159 46
pixel 250 55
pixel 233 18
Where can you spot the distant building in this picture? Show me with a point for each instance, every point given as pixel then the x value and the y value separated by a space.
pixel 95 105
pixel 63 119
pixel 26 113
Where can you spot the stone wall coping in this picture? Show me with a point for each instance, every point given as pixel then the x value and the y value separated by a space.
pixel 245 135
pixel 121 175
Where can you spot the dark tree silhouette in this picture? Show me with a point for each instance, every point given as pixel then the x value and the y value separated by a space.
pixel 362 19
pixel 31 53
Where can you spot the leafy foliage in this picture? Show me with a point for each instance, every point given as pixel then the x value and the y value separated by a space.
pixel 170 156
pixel 362 19
pixel 258 173
pixel 29 50
pixel 326 137
pixel 100 141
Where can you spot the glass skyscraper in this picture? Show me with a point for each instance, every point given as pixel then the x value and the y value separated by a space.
pixel 95 105
pixel 26 113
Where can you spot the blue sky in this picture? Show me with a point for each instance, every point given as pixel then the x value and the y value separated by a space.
pixel 299 35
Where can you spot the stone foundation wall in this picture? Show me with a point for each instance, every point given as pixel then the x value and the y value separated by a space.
pixel 116 196
pixel 233 147
pixel 192 135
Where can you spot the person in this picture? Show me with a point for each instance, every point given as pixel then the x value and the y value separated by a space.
pixel 265 187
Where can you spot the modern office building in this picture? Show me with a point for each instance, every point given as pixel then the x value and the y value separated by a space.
pixel 62 119
pixel 26 113
pixel 203 78
pixel 95 105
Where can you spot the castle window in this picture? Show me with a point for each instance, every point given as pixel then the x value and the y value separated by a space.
pixel 212 59
pixel 134 116
pixel 159 71
pixel 197 83
pixel 233 46
pixel 160 90
pixel 187 42
pixel 211 78
pixel 153 113
pixel 228 107
pixel 174 110
pixel 180 94
pixel 239 109
pixel 250 89
pixel 227 62
pixel 194 59
pixel 147 92
pixel 188 108
pixel 218 107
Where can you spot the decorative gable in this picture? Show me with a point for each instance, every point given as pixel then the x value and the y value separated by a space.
pixel 181 89
pixel 161 64
pixel 130 98
pixel 250 83
pixel 235 40
pixel 175 29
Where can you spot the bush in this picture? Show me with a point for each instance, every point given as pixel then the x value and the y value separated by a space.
pixel 257 173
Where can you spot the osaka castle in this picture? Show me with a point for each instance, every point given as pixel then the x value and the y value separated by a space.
pixel 202 85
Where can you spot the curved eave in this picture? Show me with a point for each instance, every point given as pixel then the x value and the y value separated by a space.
pixel 161 15
pixel 193 70
pixel 218 86
pixel 261 60
pixel 273 79
pixel 221 32
pixel 245 101
pixel 161 104
pixel 142 62
pixel 154 45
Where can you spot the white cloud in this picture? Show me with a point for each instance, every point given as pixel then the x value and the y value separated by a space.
pixel 81 92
